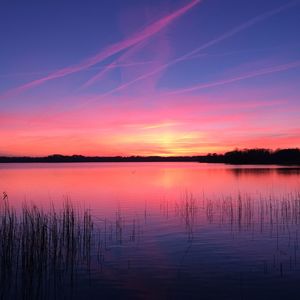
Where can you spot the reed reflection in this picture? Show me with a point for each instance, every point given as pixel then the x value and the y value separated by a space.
pixel 196 226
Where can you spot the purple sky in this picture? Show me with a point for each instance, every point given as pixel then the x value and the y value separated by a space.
pixel 148 77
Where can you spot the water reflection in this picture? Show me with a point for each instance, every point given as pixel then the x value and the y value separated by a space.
pixel 178 231
pixel 42 252
pixel 290 171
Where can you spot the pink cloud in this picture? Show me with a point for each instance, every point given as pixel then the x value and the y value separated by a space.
pixel 175 125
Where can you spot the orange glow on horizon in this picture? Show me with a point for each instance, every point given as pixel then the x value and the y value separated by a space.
pixel 176 126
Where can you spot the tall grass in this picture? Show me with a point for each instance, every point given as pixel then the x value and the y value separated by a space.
pixel 243 211
pixel 38 248
pixel 43 251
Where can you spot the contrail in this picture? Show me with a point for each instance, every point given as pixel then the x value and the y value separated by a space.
pixel 188 55
pixel 274 69
pixel 116 65
pixel 113 64
pixel 242 27
pixel 109 51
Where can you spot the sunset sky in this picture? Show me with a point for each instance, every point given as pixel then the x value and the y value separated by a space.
pixel 148 77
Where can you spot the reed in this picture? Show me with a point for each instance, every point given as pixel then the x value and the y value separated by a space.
pixel 43 251
pixel 38 247
pixel 240 211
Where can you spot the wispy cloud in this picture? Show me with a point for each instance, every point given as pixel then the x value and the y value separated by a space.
pixel 109 51
pixel 45 72
pixel 265 71
pixel 189 125
pixel 144 126
pixel 217 40
pixel 114 64
pixel 241 27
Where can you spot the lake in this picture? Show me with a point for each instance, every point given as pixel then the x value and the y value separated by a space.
pixel 166 230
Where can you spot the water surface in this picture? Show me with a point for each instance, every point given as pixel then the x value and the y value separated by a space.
pixel 174 230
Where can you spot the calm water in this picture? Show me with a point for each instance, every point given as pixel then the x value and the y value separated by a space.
pixel 172 230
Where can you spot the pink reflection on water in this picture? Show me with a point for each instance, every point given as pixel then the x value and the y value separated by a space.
pixel 135 187
pixel 169 236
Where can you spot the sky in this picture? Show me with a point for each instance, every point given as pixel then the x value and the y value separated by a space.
pixel 148 77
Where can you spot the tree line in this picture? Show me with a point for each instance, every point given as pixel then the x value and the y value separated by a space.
pixel 244 156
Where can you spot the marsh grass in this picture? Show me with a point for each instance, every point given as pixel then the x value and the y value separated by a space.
pixel 246 211
pixel 241 211
pixel 254 218
pixel 43 252
pixel 39 248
